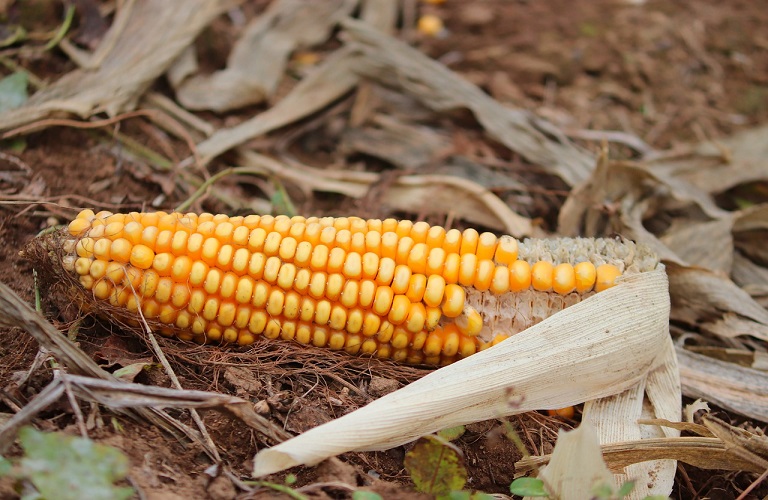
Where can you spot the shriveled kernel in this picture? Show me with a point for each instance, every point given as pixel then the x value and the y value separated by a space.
pixel 564 279
pixel 542 274
pixel 434 314
pixel 606 275
pixel 453 300
pixel 586 275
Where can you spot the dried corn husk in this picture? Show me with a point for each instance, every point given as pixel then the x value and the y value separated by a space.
pixel 604 345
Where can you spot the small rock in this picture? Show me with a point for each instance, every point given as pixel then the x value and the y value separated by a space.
pixel 381 386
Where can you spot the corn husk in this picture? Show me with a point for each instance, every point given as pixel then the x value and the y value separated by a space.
pixel 602 346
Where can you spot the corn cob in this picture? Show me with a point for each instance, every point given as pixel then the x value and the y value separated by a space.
pixel 393 289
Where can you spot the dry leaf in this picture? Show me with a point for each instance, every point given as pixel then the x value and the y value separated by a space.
pixel 145 39
pixel 258 60
pixel 601 346
pixel 576 467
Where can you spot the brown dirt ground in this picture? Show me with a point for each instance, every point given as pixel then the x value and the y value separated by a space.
pixel 667 71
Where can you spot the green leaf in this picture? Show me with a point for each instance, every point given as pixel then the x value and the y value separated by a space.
pixel 5 466
pixel 436 466
pixel 291 479
pixel 452 433
pixel 457 495
pixel 603 491
pixel 70 468
pixel 13 91
pixel 366 495
pixel 528 487
pixel 626 489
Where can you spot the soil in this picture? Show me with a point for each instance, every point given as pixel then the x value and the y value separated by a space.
pixel 668 72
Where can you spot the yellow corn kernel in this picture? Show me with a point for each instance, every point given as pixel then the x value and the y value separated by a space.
pixel 519 276
pixel 564 279
pixel 585 274
pixel 453 300
pixel 542 275
pixel 606 275
pixel 500 281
